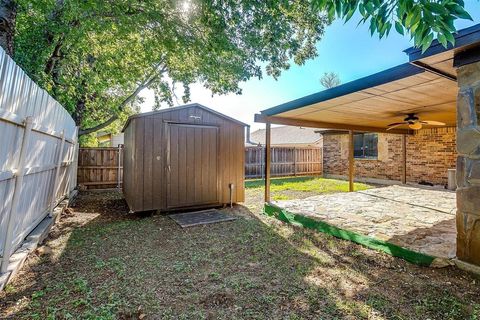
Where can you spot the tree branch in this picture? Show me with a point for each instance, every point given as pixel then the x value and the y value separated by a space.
pixel 102 125
pixel 55 56
pixel 145 84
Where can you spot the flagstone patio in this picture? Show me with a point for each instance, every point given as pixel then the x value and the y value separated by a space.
pixel 422 220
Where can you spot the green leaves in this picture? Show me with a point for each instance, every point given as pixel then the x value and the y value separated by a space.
pixel 399 27
pixel 422 19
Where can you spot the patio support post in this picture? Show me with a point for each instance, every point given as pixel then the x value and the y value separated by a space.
pixel 404 159
pixel 351 163
pixel 468 161
pixel 267 160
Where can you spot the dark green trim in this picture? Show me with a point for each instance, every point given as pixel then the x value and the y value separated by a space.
pixel 376 244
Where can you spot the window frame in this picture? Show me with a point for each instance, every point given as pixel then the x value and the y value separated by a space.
pixel 363 156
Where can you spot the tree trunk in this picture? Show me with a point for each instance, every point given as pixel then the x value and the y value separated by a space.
pixel 7 25
pixel 79 111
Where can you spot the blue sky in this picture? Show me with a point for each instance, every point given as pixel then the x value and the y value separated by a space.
pixel 346 49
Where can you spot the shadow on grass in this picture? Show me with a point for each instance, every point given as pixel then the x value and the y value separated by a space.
pixel 115 265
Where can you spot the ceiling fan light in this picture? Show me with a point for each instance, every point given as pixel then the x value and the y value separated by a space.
pixel 415 126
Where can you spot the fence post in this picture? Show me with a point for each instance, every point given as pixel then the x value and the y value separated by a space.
pixel 19 174
pixel 118 171
pixel 72 172
pixel 294 161
pixel 262 166
pixel 321 161
pixel 74 168
pixel 53 199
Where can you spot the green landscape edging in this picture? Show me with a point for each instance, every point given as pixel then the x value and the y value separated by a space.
pixel 389 248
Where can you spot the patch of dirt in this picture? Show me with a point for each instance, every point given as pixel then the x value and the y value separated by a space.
pixel 219 299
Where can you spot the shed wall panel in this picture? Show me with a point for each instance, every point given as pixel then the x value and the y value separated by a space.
pixel 138 172
pixel 148 164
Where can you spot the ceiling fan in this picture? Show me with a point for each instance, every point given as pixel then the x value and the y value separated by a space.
pixel 414 122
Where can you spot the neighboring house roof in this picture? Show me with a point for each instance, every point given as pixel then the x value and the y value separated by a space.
pixel 287 135
pixel 103 133
pixel 103 136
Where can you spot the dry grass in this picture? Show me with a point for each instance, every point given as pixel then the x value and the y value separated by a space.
pixel 106 264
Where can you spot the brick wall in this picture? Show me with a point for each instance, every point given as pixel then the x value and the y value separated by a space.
pixel 430 152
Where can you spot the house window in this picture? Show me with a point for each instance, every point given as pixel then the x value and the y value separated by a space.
pixel 365 145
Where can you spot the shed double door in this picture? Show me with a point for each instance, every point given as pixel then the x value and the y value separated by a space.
pixel 192 165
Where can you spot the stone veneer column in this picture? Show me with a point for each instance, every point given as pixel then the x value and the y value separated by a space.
pixel 468 163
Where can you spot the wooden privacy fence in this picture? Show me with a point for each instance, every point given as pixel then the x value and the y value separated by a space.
pixel 286 161
pixel 100 168
pixel 38 141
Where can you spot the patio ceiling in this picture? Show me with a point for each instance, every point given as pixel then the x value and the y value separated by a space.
pixel 425 86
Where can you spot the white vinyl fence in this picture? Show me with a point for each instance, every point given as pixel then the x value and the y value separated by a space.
pixel 38 143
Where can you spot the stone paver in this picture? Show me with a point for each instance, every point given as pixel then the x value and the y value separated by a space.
pixel 422 220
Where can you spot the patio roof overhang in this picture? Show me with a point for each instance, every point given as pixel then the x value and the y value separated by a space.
pixel 426 85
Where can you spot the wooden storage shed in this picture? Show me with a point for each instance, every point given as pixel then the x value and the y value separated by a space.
pixel 183 157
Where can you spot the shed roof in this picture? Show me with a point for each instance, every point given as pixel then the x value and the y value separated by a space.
pixel 426 86
pixel 287 135
pixel 190 105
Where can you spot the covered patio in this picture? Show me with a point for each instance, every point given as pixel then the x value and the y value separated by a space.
pixel 426 86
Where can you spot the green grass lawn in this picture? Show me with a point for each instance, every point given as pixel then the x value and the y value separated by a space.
pixel 299 187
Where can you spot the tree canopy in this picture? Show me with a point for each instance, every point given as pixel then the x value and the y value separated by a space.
pixel 95 57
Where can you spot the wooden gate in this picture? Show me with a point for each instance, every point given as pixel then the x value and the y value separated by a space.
pixel 192 165
pixel 100 168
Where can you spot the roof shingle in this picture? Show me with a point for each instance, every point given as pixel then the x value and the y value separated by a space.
pixel 287 135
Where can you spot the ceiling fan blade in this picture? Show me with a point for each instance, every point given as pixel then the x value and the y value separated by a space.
pixel 394 125
pixel 433 123
pixel 397 123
